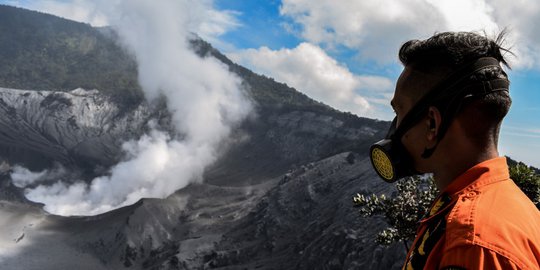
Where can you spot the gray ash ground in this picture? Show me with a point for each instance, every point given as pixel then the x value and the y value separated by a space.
pixel 301 220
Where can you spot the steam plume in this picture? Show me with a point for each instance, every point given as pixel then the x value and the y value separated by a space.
pixel 204 98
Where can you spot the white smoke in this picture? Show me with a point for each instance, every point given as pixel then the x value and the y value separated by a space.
pixel 205 100
pixel 22 177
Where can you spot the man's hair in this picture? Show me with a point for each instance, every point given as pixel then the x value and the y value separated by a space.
pixel 445 52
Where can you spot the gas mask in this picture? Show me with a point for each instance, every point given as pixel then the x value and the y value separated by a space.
pixel 390 158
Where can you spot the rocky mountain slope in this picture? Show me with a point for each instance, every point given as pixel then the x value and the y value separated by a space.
pixel 77 128
pixel 278 199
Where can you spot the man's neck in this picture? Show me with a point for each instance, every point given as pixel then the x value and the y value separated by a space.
pixel 453 168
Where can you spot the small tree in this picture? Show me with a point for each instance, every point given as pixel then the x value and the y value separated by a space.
pixel 527 180
pixel 402 210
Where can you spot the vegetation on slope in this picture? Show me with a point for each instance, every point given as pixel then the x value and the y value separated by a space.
pixel 44 52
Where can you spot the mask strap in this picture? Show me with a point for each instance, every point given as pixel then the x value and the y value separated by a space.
pixel 442 92
pixel 492 86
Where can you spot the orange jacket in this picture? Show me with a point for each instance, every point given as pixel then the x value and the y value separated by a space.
pixel 489 224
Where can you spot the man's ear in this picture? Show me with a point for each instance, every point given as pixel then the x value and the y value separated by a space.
pixel 433 123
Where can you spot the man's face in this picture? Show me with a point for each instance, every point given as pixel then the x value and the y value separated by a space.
pixel 410 87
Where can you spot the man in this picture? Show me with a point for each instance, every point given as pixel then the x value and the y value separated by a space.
pixel 450 101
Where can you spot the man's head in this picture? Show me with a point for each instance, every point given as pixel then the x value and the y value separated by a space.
pixel 475 122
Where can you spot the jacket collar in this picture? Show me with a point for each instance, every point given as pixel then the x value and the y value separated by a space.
pixel 482 174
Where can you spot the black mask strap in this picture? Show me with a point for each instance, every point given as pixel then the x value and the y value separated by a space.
pixel 454 107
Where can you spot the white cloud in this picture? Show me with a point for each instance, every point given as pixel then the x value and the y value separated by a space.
pixel 521 131
pixel 463 15
pixel 210 23
pixel 522 18
pixel 377 28
pixel 76 10
pixel 204 19
pixel 310 70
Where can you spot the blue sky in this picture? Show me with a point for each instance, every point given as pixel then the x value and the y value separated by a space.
pixel 344 53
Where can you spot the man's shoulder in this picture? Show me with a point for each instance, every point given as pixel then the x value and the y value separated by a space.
pixel 498 217
pixel 498 207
